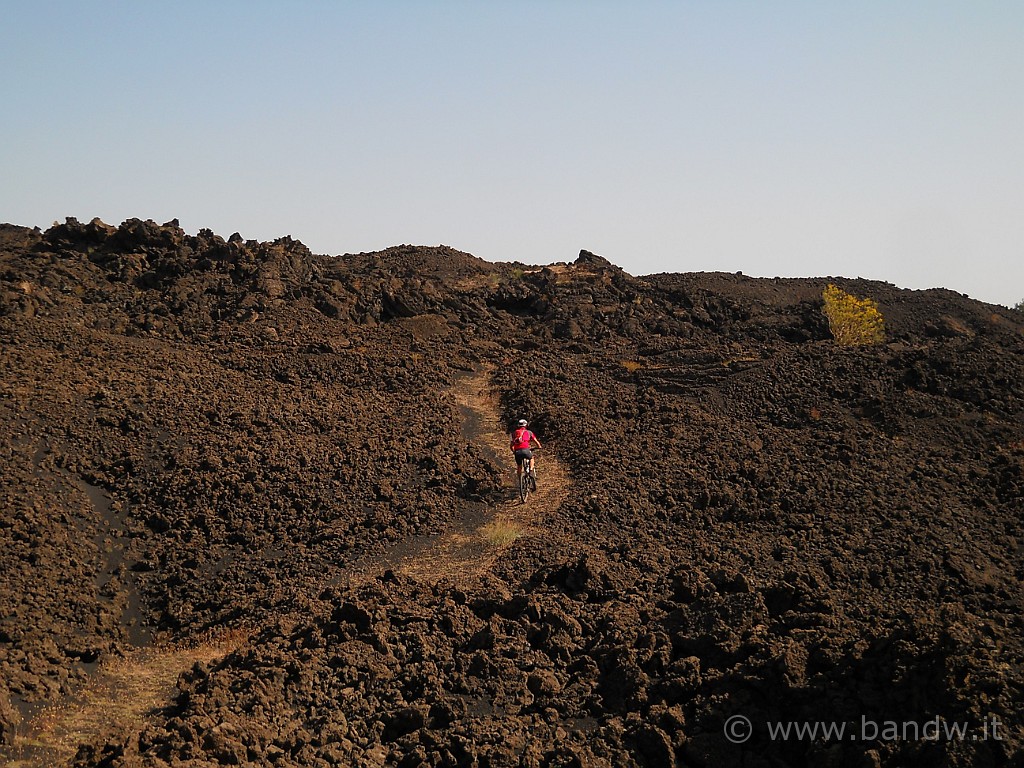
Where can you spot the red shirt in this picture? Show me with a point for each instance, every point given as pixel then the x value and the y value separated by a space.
pixel 521 439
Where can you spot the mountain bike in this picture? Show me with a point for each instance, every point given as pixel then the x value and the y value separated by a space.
pixel 528 479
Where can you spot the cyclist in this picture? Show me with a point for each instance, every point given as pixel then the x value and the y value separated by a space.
pixel 520 445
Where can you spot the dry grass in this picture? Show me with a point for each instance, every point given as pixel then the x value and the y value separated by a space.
pixel 501 533
pixel 637 365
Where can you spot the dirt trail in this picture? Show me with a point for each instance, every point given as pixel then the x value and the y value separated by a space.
pixel 482 531
pixel 124 691
pixel 117 700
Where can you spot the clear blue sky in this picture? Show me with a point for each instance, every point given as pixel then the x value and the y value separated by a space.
pixel 874 139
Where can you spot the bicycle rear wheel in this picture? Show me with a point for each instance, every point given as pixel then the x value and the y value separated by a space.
pixel 524 485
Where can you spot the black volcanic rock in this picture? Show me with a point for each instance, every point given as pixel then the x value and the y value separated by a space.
pixel 206 434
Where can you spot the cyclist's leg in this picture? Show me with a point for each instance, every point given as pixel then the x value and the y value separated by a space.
pixel 524 464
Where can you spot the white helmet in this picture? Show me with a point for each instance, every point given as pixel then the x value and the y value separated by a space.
pixel 523 423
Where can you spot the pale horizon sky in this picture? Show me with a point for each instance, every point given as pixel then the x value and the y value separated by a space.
pixel 876 139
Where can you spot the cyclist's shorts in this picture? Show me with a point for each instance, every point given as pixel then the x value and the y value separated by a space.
pixel 523 454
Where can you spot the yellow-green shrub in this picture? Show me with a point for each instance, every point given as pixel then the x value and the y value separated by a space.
pixel 852 321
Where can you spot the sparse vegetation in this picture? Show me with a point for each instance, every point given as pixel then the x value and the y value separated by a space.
pixel 640 365
pixel 852 321
pixel 1019 306
pixel 492 280
pixel 501 532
